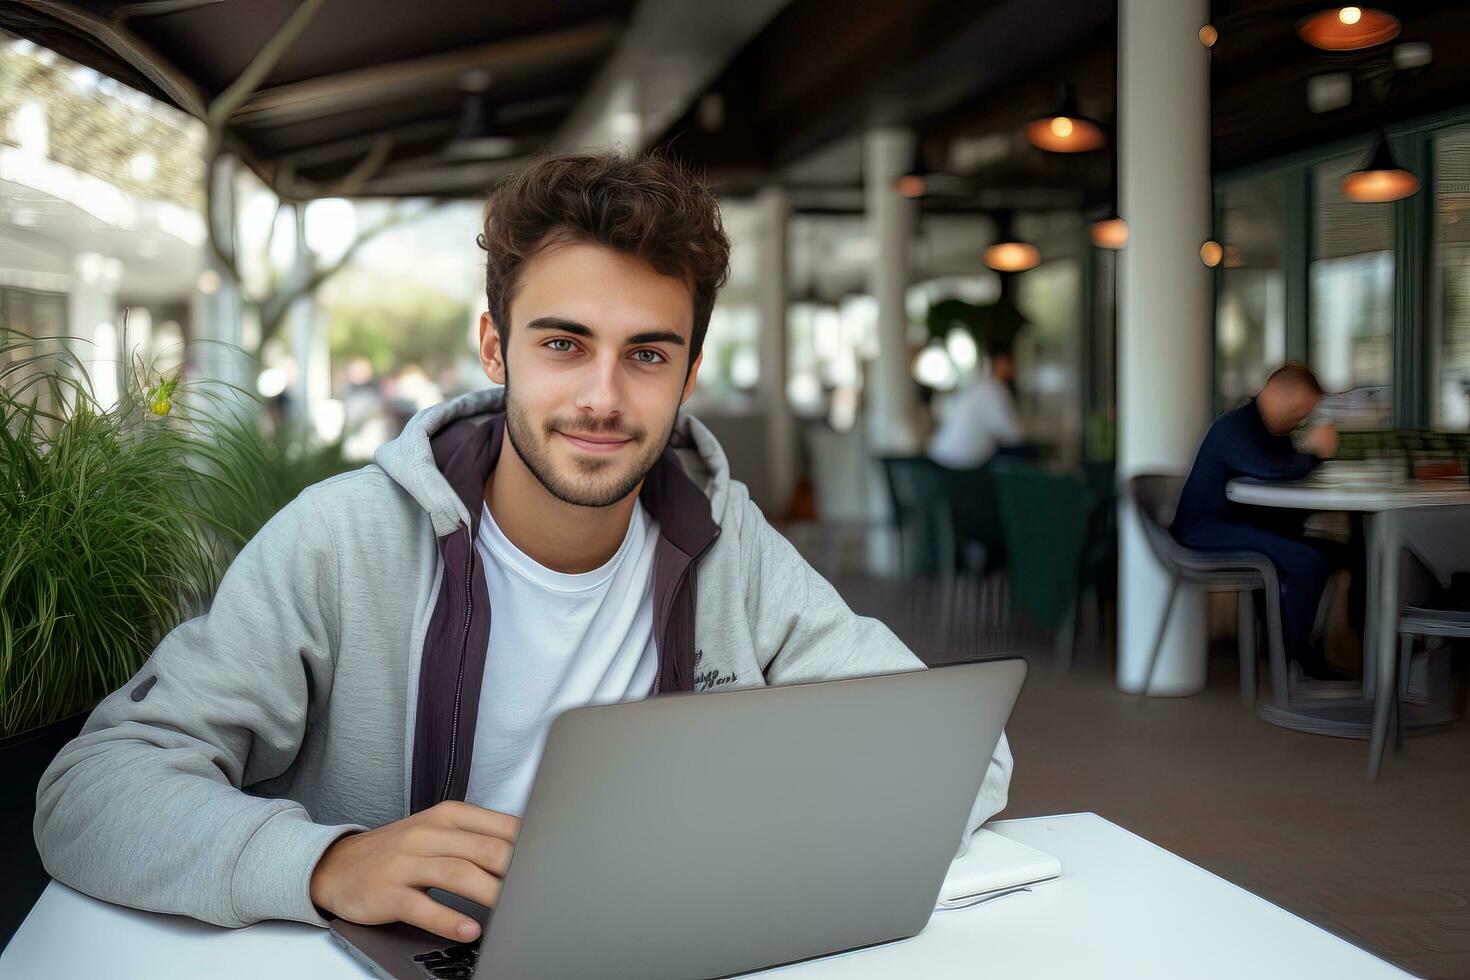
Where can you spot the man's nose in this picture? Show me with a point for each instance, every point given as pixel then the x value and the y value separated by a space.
pixel 602 393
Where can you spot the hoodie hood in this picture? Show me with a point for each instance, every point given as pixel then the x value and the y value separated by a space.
pixel 409 458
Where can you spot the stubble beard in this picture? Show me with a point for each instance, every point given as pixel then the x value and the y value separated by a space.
pixel 597 482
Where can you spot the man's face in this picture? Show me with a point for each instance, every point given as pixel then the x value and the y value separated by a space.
pixel 599 353
pixel 1286 404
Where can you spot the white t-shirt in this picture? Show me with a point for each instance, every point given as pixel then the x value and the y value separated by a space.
pixel 972 423
pixel 557 641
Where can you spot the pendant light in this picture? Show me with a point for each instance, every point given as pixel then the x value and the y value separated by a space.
pixel 1066 130
pixel 1380 179
pixel 478 136
pixel 1010 254
pixel 1110 232
pixel 1348 28
pixel 924 181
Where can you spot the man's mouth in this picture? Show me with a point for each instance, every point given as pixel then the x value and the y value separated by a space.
pixel 595 444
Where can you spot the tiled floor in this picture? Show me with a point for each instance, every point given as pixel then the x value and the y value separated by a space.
pixel 1287 815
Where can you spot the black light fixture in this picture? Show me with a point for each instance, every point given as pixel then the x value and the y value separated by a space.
pixel 478 136
pixel 1380 179
pixel 1348 28
pixel 1066 130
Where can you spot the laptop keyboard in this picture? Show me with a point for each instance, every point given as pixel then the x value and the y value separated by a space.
pixel 451 962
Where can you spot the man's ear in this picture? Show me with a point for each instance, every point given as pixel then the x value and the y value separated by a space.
pixel 492 350
pixel 693 376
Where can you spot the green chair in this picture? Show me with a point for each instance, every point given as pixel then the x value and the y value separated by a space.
pixel 919 491
pixel 1046 517
pixel 980 546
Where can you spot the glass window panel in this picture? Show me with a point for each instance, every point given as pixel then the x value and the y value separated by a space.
pixel 1350 326
pixel 1250 316
pixel 1450 397
pixel 1046 352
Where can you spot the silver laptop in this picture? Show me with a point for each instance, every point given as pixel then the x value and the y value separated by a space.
pixel 703 835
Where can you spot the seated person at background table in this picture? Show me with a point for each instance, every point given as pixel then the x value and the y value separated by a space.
pixel 1254 440
pixel 350 673
pixel 978 419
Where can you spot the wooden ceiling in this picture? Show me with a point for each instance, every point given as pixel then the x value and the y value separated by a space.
pixel 782 91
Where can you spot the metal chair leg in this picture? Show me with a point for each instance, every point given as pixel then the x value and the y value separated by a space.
pixel 1384 705
pixel 1276 643
pixel 1065 638
pixel 1246 627
pixel 1153 660
pixel 1406 658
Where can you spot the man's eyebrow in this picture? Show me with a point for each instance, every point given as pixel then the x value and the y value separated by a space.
pixel 656 337
pixel 559 325
pixel 556 323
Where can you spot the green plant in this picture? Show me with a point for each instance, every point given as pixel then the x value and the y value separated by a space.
pixel 118 521
pixel 993 325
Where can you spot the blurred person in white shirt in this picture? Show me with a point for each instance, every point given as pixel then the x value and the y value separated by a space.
pixel 978 419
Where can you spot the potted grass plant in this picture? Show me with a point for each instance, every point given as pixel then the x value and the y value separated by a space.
pixel 117 522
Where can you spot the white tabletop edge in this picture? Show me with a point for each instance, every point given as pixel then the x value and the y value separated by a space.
pixel 295 947
pixel 999 827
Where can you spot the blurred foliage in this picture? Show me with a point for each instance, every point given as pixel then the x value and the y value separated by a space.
pixel 119 521
pixel 1100 437
pixel 393 329
pixel 993 325
pixel 96 125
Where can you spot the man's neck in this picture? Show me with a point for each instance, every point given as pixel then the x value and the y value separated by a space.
pixel 555 534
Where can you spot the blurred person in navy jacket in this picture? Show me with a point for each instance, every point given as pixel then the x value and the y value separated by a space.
pixel 1254 440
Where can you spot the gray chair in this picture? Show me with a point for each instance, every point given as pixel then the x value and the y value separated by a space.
pixel 1417 584
pixel 1244 572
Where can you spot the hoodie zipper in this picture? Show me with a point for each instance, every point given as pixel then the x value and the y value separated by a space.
pixel 464 639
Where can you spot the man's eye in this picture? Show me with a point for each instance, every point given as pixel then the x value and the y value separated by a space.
pixel 561 345
pixel 648 357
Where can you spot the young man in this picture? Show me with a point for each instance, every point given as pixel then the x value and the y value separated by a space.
pixel 978 420
pixel 1255 440
pixel 389 650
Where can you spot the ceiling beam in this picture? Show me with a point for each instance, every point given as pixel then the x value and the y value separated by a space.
pixel 331 94
pixel 355 146
pixel 155 8
pixel 669 55
pixel 468 179
pixel 113 37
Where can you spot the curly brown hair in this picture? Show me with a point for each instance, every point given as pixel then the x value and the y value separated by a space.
pixel 650 206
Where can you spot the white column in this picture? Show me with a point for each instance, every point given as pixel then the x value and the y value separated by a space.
pixel 1164 341
pixel 93 318
pixel 891 397
pixel 214 352
pixel 305 389
pixel 773 210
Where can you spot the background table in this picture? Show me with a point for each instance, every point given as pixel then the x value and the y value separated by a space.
pixel 1122 908
pixel 1354 488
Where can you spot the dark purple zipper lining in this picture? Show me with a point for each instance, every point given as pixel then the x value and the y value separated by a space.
pixel 464 642
pixel 683 576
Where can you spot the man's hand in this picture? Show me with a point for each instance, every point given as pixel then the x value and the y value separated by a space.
pixel 1321 441
pixel 379 876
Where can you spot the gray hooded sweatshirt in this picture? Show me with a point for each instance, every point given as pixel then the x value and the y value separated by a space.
pixel 333 685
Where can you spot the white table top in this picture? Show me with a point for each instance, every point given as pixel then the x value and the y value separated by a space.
pixel 1122 908
pixel 1349 486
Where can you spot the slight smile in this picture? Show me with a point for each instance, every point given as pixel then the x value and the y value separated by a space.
pixel 594 445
